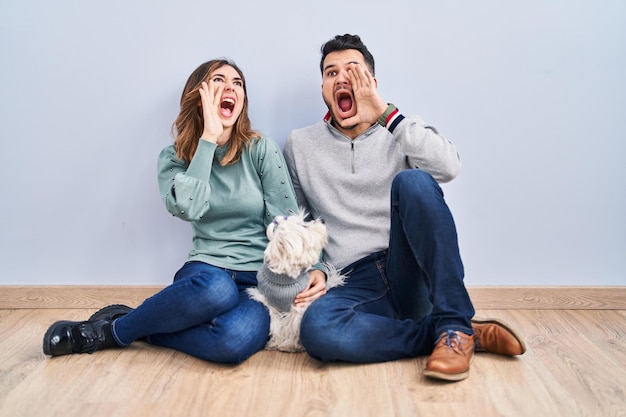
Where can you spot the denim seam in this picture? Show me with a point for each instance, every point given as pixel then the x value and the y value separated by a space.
pixel 454 327
pixel 381 270
pixel 116 337
pixel 370 300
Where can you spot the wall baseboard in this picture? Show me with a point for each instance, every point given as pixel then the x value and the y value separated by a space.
pixel 484 298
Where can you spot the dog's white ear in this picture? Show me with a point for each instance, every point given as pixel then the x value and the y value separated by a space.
pixel 302 214
pixel 271 228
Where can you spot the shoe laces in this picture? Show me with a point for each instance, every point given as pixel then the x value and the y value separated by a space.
pixel 87 338
pixel 477 345
pixel 453 341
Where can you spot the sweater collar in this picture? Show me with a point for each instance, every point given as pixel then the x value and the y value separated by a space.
pixel 282 279
pixel 328 120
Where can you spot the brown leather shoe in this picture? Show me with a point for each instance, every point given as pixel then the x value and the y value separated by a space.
pixel 451 357
pixel 495 336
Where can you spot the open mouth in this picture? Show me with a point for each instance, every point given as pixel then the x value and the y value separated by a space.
pixel 227 106
pixel 344 101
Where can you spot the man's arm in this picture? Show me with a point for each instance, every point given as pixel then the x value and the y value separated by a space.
pixel 421 143
pixel 424 147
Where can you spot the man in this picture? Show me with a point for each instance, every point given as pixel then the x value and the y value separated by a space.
pixel 404 295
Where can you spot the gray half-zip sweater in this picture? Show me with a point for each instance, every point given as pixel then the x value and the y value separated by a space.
pixel 348 182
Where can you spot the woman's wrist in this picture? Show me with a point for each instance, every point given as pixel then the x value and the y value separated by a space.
pixel 208 138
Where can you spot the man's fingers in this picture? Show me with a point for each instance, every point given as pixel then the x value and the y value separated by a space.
pixel 359 76
pixel 307 297
pixel 349 122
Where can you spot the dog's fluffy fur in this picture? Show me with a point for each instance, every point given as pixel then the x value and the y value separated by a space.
pixel 294 247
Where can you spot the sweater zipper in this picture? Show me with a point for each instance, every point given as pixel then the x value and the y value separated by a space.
pixel 352 155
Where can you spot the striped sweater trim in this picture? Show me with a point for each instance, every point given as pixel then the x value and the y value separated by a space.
pixel 393 120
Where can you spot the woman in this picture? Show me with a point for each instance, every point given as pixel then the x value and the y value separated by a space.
pixel 229 182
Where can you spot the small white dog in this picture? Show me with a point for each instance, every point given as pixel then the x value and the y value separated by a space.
pixel 294 246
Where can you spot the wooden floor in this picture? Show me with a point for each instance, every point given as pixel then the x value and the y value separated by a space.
pixel 575 366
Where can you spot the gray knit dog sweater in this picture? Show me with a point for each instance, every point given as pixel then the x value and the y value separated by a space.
pixel 280 289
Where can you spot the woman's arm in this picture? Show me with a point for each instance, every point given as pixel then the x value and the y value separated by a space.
pixel 185 189
pixel 278 192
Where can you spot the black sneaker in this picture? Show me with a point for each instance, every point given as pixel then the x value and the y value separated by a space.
pixel 110 313
pixel 65 337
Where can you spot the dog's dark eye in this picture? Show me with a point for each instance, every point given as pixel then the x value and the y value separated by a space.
pixel 321 221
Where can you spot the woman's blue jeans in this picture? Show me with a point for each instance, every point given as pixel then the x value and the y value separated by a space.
pixel 396 303
pixel 205 312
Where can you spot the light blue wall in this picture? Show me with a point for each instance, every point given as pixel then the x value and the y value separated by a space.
pixel 533 93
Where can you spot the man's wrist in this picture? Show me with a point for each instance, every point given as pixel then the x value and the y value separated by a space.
pixel 390 118
pixel 389 112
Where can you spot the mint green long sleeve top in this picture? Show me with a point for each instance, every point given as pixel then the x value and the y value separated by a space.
pixel 229 207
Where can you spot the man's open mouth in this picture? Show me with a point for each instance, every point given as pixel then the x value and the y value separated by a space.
pixel 344 101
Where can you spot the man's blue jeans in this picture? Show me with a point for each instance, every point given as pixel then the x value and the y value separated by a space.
pixel 396 303
pixel 205 312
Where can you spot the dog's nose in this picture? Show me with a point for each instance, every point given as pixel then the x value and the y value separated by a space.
pixel 321 220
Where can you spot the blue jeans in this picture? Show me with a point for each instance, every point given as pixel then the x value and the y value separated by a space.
pixel 205 312
pixel 396 303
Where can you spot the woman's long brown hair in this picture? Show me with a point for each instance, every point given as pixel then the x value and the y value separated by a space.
pixel 189 124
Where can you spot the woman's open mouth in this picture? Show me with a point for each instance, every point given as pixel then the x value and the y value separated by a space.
pixel 227 106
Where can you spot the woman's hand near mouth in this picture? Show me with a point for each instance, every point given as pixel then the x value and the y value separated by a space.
pixel 210 96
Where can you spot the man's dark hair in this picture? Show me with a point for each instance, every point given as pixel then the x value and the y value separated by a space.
pixel 343 42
